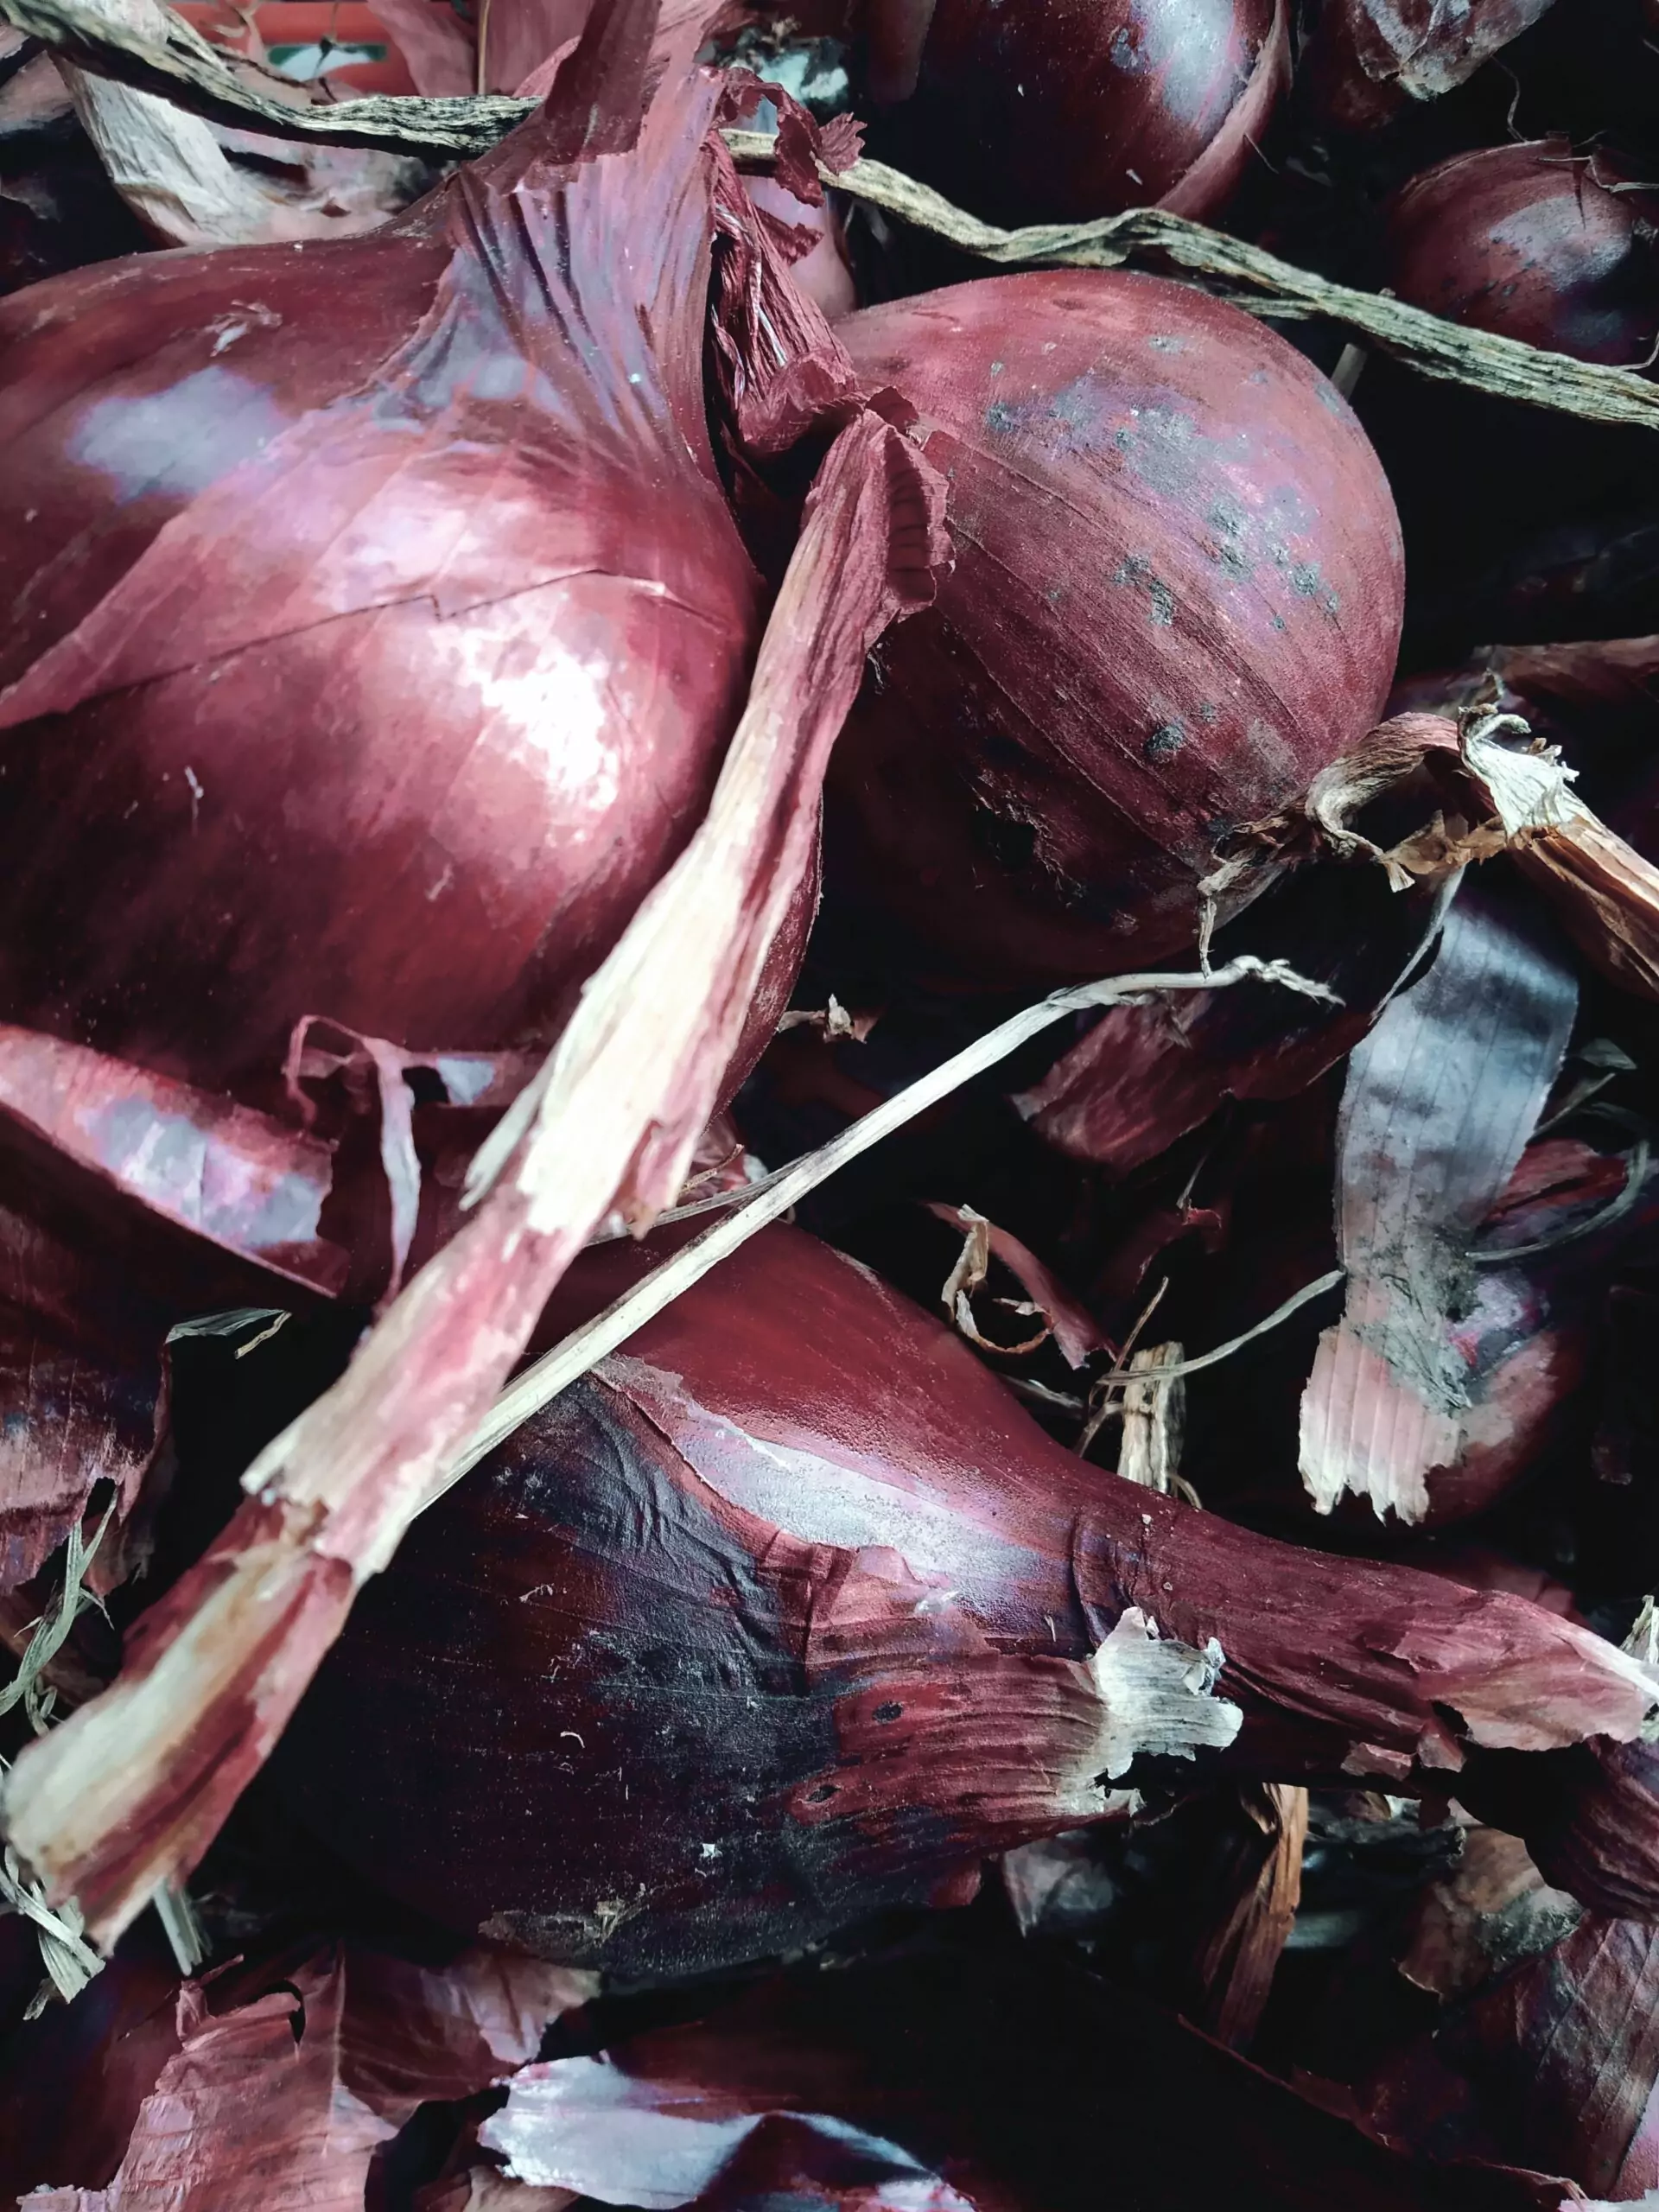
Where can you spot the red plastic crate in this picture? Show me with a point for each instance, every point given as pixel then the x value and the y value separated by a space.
pixel 294 29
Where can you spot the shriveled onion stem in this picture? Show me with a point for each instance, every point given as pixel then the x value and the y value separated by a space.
pixel 768 1201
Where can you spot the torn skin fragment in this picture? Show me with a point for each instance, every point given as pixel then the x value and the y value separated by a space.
pixel 1159 1697
pixel 1441 1100
pixel 278 2075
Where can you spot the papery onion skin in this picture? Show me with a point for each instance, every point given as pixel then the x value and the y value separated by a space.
pixel 775 1621
pixel 822 272
pixel 1178 593
pixel 1529 241
pixel 414 772
pixel 1039 111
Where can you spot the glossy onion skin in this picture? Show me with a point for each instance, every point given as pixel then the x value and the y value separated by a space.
pixel 1529 242
pixel 773 1621
pixel 1178 593
pixel 1048 110
pixel 414 773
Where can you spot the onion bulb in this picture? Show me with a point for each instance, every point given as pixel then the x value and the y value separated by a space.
pixel 1035 111
pixel 1533 242
pixel 1177 594
pixel 789 1613
pixel 374 619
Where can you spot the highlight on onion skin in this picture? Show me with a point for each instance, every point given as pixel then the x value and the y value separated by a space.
pixel 315 777
pixel 1178 593
pixel 1532 242
pixel 717 1655
pixel 1042 111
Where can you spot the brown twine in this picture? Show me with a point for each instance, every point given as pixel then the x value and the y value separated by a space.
pixel 184 69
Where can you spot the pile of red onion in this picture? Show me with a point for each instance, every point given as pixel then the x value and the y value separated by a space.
pixel 828 1105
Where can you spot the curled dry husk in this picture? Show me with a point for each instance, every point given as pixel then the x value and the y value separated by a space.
pixel 1498 790
pixel 266 2084
pixel 127 1202
pixel 1052 111
pixel 950 2078
pixel 1370 57
pixel 1177 595
pixel 1047 1302
pixel 612 1118
pixel 1259 1886
pixel 819 1653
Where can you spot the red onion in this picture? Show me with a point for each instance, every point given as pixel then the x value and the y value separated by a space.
pixel 1178 593
pixel 1556 2058
pixel 1532 242
pixel 388 611
pixel 376 617
pixel 724 1650
pixel 1034 111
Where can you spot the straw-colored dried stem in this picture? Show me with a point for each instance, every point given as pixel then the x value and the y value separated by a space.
pixel 182 70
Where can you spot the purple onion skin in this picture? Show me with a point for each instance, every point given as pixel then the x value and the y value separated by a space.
pixel 1178 593
pixel 823 273
pixel 1038 111
pixel 774 1622
pixel 427 822
pixel 1529 242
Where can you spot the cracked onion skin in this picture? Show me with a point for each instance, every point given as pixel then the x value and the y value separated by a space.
pixel 775 1621
pixel 413 772
pixel 1532 242
pixel 1178 593
pixel 1051 111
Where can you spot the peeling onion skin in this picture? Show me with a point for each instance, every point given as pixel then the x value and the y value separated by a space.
pixel 1528 242
pixel 1050 110
pixel 1178 593
pixel 822 272
pixel 501 677
pixel 774 1622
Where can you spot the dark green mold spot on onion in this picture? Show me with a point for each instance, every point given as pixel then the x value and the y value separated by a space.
pixel 1165 741
pixel 1135 571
